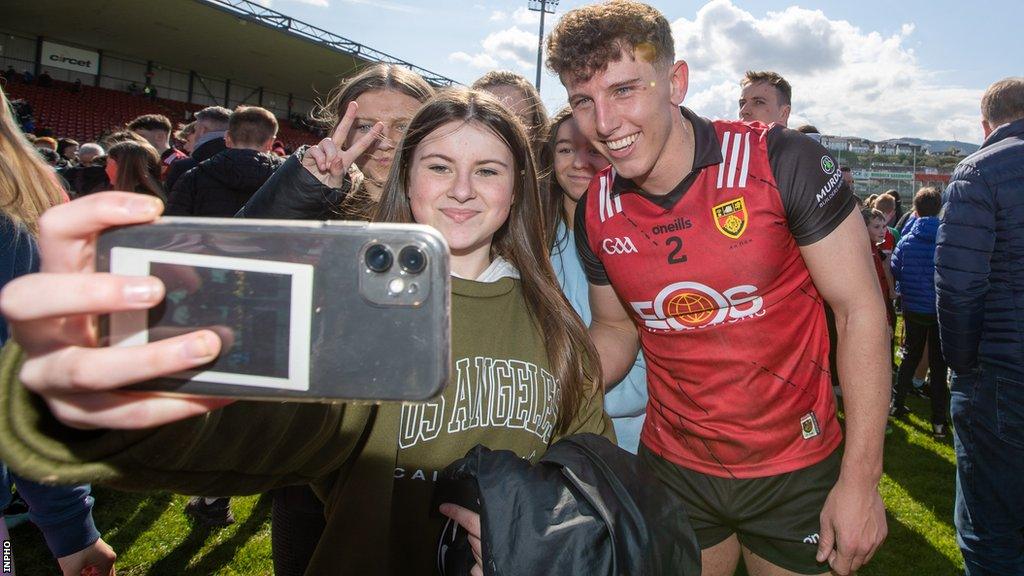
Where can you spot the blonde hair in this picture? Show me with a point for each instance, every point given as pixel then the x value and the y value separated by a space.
pixel 28 186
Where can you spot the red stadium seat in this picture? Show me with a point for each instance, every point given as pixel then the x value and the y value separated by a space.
pixel 85 116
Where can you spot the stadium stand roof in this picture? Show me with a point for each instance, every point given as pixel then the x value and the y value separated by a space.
pixel 235 39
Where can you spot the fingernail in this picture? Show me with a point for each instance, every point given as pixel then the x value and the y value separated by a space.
pixel 141 290
pixel 199 347
pixel 143 206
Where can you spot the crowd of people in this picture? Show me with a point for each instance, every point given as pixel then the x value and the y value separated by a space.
pixel 702 293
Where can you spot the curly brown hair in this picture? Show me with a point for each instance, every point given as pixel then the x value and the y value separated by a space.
pixel 588 38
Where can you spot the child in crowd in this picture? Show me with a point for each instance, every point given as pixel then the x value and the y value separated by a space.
pixel 886 204
pixel 913 265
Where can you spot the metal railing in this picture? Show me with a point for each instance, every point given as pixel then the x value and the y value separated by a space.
pixel 274 19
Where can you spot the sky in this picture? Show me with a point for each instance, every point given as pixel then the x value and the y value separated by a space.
pixel 872 68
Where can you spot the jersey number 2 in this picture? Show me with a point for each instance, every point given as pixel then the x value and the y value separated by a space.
pixel 676 256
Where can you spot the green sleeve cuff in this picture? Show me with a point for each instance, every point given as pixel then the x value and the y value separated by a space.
pixel 245 448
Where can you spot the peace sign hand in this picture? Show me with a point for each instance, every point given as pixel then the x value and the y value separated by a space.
pixel 328 161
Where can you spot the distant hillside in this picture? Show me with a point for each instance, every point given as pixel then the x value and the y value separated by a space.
pixel 939 146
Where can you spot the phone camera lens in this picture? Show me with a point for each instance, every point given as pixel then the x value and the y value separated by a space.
pixel 378 258
pixel 412 259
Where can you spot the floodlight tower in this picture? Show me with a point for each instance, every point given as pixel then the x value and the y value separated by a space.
pixel 544 7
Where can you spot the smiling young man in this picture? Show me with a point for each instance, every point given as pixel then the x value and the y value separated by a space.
pixel 737 234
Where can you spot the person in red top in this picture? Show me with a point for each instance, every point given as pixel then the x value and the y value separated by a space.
pixel 886 204
pixel 875 222
pixel 714 245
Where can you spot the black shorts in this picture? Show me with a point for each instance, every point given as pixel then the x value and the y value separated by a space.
pixel 776 517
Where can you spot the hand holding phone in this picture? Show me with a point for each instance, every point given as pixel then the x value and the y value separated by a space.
pixel 52 315
pixel 305 310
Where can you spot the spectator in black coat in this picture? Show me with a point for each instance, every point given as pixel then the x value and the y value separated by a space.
pixel 211 124
pixel 221 185
pixel 87 175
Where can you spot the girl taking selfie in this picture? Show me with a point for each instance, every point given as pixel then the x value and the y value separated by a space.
pixel 463 167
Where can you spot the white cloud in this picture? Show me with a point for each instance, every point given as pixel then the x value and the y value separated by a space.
pixel 845 80
pixel 481 61
pixel 521 16
pixel 510 48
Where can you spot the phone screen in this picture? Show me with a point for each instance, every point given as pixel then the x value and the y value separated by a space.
pixel 250 311
pixel 261 309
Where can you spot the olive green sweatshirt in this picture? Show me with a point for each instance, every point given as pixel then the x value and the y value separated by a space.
pixel 374 466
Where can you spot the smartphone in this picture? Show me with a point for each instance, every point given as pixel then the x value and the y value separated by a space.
pixel 315 311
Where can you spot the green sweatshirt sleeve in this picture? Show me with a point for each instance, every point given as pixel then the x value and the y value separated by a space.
pixel 591 418
pixel 245 448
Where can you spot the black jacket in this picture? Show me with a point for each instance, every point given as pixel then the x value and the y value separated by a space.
pixel 588 507
pixel 205 152
pixel 292 193
pixel 220 186
pixel 86 179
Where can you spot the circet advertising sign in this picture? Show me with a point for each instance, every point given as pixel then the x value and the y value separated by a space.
pixel 69 58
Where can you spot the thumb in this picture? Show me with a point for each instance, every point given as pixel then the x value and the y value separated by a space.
pixel 826 541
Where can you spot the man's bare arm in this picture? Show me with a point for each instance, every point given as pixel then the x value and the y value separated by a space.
pixel 614 334
pixel 853 519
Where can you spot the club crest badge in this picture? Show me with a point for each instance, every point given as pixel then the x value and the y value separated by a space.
pixel 731 217
pixel 809 426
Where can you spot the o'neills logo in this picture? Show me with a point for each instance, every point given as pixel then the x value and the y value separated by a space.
pixel 689 305
pixel 677 225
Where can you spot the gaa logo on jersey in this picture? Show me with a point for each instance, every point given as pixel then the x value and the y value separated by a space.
pixel 619 246
pixel 690 305
pixel 731 217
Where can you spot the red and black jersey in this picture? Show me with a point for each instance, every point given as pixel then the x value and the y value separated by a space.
pixel 731 325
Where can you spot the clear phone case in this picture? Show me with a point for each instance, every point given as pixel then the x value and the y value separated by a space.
pixel 315 311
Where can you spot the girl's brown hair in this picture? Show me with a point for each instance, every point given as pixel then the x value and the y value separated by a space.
pixel 551 198
pixel 359 204
pixel 28 186
pixel 138 168
pixel 537 125
pixel 520 240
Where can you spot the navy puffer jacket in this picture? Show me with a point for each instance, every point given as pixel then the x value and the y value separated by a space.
pixel 913 266
pixel 979 256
